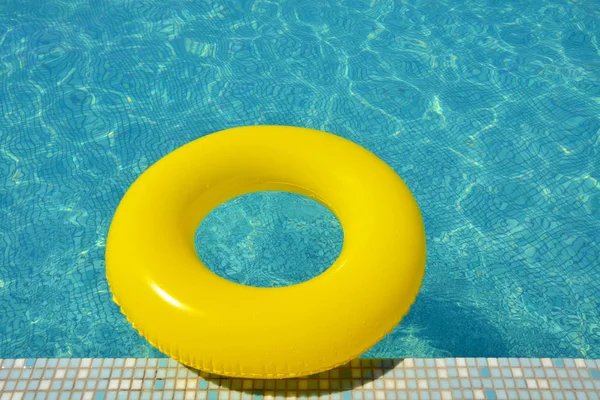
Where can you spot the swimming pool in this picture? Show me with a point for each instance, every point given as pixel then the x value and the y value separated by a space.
pixel 487 110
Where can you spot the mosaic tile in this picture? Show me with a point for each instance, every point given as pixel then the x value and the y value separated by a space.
pixel 150 379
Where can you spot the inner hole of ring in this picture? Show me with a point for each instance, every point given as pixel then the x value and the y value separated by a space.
pixel 269 239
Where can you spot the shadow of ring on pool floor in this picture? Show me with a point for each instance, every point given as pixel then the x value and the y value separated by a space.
pixel 352 375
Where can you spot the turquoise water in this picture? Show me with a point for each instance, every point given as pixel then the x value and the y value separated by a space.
pixel 487 109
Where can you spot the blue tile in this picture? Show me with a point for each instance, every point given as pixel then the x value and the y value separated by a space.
pixel 584 373
pixel 30 363
pixel 213 395
pixel 163 363
pixel 159 384
pixel 490 395
pixel 512 394
pixel 485 372
pixel 347 396
pixel 570 396
pixel 523 395
pixel 202 384
pixel 595 373
pixel 569 363
pixel 528 373
pixel 559 363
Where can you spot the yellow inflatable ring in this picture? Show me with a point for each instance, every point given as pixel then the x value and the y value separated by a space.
pixel 212 324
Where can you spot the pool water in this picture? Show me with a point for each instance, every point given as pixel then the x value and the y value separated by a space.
pixel 489 111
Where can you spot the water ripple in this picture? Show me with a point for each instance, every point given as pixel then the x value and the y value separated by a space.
pixel 488 110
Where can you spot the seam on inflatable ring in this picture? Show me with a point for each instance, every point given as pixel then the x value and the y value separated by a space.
pixel 202 367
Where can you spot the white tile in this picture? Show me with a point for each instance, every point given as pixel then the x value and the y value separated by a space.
pixel 408 363
pixel 380 395
pixel 479 395
pixel 443 373
pixel 446 395
pixel 422 384
pixel 440 363
pixel 492 362
pixel 531 383
pixel 5 396
pixel 191 383
pixel 88 395
pixel 60 373
pixel 579 363
pixel 400 384
pixel 17 396
pixel 130 363
pixel 125 384
pixel 463 372
pixel 517 372
pixel 113 384
pixel 19 363
pixel 543 384
pixel 461 362
pixel 547 362
pixel 190 395
pixel 136 384
pixel 45 384
pixel 83 373
pixel 86 362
